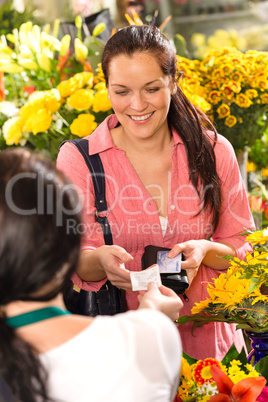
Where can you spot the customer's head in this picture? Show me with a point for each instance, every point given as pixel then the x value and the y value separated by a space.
pixel 137 39
pixel 36 202
pixel 37 255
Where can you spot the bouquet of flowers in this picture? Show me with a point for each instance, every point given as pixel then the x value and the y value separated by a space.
pixel 232 88
pixel 73 109
pixel 232 379
pixel 240 295
pixel 56 95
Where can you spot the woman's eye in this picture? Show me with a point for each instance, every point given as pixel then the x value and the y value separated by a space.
pixel 152 90
pixel 121 92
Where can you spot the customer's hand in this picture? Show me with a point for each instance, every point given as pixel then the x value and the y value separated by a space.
pixel 112 259
pixel 162 299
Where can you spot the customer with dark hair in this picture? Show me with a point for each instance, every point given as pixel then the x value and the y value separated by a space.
pixel 47 354
pixel 172 182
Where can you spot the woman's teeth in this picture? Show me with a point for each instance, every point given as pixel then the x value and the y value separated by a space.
pixel 140 118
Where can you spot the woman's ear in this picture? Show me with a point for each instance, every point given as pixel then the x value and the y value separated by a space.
pixel 174 88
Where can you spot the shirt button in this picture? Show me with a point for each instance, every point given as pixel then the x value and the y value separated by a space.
pixel 170 232
pixel 172 207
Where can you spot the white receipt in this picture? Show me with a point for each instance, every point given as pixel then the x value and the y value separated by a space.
pixel 141 279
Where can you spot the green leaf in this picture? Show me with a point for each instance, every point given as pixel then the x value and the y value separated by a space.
pixel 262 367
pixel 230 355
pixel 189 359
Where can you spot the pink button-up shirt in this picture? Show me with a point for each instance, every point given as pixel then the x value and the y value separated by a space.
pixel 135 223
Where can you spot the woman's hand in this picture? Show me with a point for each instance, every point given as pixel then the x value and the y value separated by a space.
pixel 112 260
pixel 196 252
pixel 162 299
pixel 193 251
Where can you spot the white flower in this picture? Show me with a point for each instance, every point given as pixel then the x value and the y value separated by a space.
pixel 9 109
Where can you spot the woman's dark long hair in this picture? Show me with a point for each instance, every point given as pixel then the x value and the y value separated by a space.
pixel 191 124
pixel 36 203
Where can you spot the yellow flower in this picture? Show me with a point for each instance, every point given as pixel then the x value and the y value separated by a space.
pixel 214 97
pixel 251 167
pixel 64 89
pixel 78 81
pixel 262 84
pixel 84 125
pixel 226 69
pixel 101 102
pixel 264 98
pixel 236 76
pixel 100 86
pixel 217 73
pixel 80 50
pixel 38 122
pixel 235 86
pixel 251 93
pixel 223 110
pixel 259 236
pixel 227 91
pixel 198 307
pixel 31 107
pixel 81 99
pixel 198 39
pixel 27 63
pixel 100 75
pixel 52 100
pixel 230 121
pixel 243 100
pixel 12 130
pixel 44 62
pixel 228 288
pixel 186 369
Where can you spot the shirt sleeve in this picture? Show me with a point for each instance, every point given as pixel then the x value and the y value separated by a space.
pixel 157 346
pixel 71 162
pixel 235 214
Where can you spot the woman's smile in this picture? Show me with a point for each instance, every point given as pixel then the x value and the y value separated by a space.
pixel 141 118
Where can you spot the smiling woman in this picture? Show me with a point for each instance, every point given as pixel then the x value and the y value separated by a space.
pixel 171 181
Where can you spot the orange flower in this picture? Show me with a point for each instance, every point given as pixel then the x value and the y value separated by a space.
pixel 246 390
pixel 202 372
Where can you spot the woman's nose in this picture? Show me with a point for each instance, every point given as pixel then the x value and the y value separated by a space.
pixel 138 102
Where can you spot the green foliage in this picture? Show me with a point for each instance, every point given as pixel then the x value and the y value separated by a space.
pixel 262 367
pixel 11 18
pixel 259 152
pixel 245 133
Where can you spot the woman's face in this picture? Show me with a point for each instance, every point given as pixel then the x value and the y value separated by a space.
pixel 140 94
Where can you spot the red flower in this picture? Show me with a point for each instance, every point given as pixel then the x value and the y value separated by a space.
pixel 29 89
pixel 2 87
pixel 246 390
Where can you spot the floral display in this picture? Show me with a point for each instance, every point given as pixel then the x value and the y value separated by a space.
pixel 73 109
pixel 239 295
pixel 232 379
pixel 252 37
pixel 232 88
pixel 56 95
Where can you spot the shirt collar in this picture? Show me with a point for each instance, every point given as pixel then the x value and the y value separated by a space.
pixel 101 139
pixel 176 138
